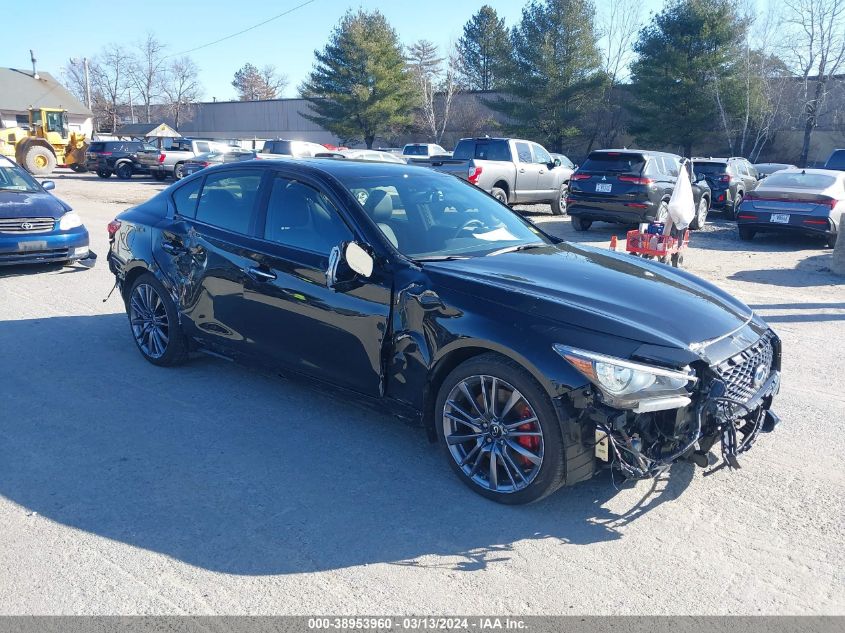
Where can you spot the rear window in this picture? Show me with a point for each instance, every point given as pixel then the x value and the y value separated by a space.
pixel 617 162
pixel 277 147
pixel 836 160
pixel 798 180
pixel 483 150
pixel 710 169
pixel 96 147
pixel 415 150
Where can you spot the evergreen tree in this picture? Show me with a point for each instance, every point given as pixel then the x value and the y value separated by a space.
pixel 483 50
pixel 686 58
pixel 360 86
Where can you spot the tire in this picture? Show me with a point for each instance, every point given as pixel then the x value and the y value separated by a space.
pixel 103 173
pixel 746 234
pixel 700 215
pixel 830 241
pixel 159 175
pixel 580 224
pixel 124 171
pixel 527 468
pixel 156 330
pixel 178 171
pixel 662 212
pixel 730 212
pixel 39 160
pixel 559 204
pixel 499 194
pixel 76 167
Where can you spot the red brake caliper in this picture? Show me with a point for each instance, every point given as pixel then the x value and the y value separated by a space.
pixel 530 442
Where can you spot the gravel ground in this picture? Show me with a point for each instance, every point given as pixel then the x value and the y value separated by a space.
pixel 213 489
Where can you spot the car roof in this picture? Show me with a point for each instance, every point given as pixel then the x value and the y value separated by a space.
pixel 820 171
pixel 628 150
pixel 338 167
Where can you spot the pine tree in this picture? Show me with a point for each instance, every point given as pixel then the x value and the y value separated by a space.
pixel 555 74
pixel 483 50
pixel 685 60
pixel 360 86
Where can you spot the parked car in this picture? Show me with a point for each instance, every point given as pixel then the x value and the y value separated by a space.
pixel 535 362
pixel 730 180
pixel 217 157
pixel 630 186
pixel 511 170
pixel 808 201
pixel 298 149
pixel 836 160
pixel 182 150
pixel 767 169
pixel 35 226
pixel 414 151
pixel 374 155
pixel 123 158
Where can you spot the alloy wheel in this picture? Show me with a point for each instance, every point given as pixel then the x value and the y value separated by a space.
pixel 148 318
pixel 493 434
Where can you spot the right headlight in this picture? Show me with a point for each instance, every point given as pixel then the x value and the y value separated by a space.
pixel 628 385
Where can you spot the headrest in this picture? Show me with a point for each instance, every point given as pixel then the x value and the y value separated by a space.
pixel 379 206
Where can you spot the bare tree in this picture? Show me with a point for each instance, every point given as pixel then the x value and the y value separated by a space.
pixel 425 66
pixel 181 88
pixel 253 84
pixel 110 82
pixel 815 42
pixel 146 72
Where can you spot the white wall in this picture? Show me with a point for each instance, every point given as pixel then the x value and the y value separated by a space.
pixel 76 122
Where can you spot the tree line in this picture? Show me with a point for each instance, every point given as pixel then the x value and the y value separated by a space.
pixel 565 75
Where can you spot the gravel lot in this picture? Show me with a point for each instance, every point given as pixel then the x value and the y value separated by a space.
pixel 212 489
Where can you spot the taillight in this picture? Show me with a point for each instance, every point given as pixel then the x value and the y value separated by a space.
pixel 161 157
pixel 104 154
pixel 725 178
pixel 205 164
pixel 829 202
pixel 637 180
pixel 473 174
pixel 577 176
pixel 746 216
pixel 112 228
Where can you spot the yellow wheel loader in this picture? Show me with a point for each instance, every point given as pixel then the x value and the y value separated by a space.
pixel 45 144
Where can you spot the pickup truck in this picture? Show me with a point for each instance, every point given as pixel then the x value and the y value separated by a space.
pixel 180 152
pixel 512 170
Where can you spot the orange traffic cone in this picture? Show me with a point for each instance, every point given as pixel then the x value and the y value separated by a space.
pixel 613 243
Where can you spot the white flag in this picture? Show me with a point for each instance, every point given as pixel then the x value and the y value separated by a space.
pixel 681 204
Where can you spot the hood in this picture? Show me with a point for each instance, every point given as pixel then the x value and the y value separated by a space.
pixel 19 204
pixel 613 293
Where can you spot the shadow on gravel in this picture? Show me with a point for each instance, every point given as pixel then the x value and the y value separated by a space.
pixel 40 269
pixel 812 271
pixel 244 473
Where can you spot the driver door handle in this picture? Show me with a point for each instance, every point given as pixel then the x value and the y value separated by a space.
pixel 260 275
pixel 522 171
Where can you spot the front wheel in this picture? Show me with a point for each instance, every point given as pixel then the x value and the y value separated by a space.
pixel 500 431
pixel 155 323
pixel 559 203
pixel 730 212
pixel 700 215
pixel 499 194
pixel 580 224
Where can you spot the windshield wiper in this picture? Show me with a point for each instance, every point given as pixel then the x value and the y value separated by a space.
pixel 519 247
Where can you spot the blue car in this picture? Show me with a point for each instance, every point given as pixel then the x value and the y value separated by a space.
pixel 35 226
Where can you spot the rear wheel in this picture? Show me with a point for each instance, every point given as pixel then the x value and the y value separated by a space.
pixel 730 212
pixel 79 169
pixel 746 234
pixel 499 194
pixel 830 241
pixel 500 431
pixel 662 214
pixel 124 171
pixel 103 173
pixel 580 224
pixel 700 215
pixel 154 322
pixel 159 175
pixel 559 203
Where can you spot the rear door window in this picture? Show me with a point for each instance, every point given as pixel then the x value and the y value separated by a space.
pixel 228 200
pixel 523 152
pixel 615 162
pixel 491 150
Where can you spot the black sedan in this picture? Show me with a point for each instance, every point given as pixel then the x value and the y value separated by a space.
pixel 35 226
pixel 534 362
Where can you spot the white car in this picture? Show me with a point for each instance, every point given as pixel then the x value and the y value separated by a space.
pixel 298 149
pixel 372 155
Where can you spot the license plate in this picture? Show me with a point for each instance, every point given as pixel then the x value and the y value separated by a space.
pixel 780 218
pixel 603 187
pixel 40 245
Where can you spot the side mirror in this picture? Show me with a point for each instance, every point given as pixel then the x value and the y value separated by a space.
pixel 48 185
pixel 761 176
pixel 359 260
pixel 556 162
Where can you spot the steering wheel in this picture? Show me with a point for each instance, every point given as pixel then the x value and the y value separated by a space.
pixel 470 225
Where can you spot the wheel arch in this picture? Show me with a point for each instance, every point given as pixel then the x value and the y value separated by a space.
pixel 30 142
pixel 501 184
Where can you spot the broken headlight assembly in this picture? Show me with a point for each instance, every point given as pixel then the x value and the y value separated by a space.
pixel 624 384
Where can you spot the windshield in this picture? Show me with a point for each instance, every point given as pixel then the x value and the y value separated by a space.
pixel 14 179
pixel 433 216
pixel 710 169
pixel 614 162
pixel 797 180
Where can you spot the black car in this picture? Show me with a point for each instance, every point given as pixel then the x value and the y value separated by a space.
pixel 628 187
pixel 123 158
pixel 730 180
pixel 534 361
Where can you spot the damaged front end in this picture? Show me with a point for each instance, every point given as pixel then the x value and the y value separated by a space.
pixel 647 417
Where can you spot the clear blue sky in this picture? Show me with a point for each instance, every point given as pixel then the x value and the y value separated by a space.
pixel 63 29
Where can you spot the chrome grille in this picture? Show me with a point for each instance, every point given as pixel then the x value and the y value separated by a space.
pixel 738 371
pixel 26 225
